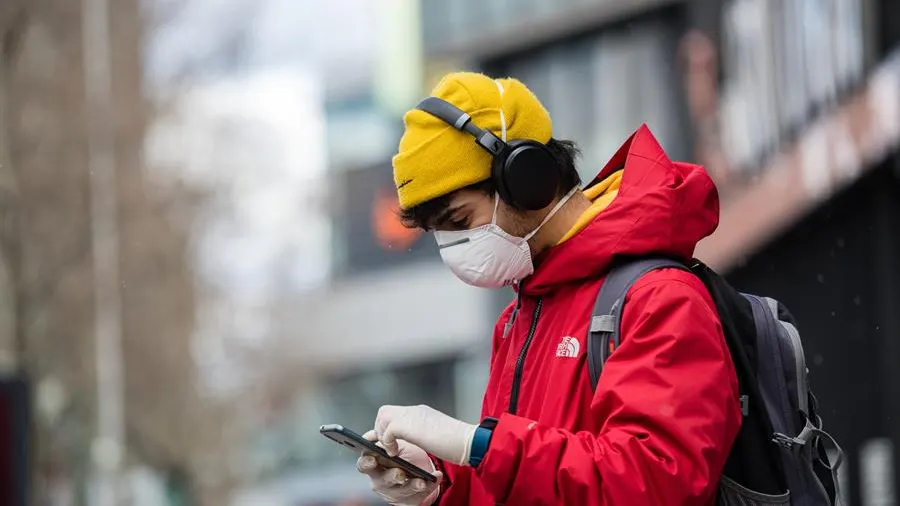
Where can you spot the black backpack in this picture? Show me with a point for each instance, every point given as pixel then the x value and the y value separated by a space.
pixel 779 455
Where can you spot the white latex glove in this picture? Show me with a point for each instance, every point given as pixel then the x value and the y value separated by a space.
pixel 438 434
pixel 393 484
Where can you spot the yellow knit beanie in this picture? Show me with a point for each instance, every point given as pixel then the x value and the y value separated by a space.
pixel 435 159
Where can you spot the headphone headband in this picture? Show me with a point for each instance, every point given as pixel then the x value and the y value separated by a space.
pixel 460 120
pixel 523 169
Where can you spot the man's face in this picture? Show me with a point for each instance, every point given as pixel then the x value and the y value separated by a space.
pixel 471 208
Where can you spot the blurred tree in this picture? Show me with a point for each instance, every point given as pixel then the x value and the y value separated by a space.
pixel 46 294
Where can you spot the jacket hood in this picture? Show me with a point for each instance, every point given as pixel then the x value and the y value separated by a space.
pixel 662 207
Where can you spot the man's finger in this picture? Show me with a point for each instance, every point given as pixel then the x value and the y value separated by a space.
pixel 393 477
pixel 383 421
pixel 367 464
pixel 373 436
pixel 389 440
pixel 417 484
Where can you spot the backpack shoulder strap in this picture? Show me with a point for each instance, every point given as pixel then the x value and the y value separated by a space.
pixel 604 333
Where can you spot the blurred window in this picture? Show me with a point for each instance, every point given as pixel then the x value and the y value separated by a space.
pixel 447 22
pixel 656 94
pixel 497 14
pixel 601 88
pixel 353 401
pixel 533 70
pixel 471 377
pixel 458 16
pixel 570 94
pixel 436 27
pixel 784 63
pixel 544 8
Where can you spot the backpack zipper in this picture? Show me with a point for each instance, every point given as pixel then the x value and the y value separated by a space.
pixel 520 363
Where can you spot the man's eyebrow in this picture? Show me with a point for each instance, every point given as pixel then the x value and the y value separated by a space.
pixel 444 217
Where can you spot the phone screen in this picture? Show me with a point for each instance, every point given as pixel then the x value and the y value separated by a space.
pixel 353 441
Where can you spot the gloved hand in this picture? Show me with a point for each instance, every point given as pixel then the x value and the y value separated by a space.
pixel 438 434
pixel 393 484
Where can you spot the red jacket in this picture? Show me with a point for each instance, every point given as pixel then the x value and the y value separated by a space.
pixel 660 425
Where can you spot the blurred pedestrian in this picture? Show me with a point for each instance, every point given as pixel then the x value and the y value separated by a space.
pixel 478 165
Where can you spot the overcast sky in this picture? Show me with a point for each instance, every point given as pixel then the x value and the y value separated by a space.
pixel 335 37
pixel 249 127
pixel 265 61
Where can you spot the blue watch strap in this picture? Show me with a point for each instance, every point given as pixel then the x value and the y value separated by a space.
pixel 480 442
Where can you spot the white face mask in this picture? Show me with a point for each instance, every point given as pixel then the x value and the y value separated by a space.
pixel 487 256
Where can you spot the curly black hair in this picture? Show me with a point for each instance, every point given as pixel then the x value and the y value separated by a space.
pixel 427 214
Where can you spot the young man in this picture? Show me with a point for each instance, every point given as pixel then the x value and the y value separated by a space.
pixel 478 165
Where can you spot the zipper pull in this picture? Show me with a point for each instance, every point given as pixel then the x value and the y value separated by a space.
pixel 512 317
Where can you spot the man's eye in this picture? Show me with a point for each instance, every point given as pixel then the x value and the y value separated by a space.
pixel 458 224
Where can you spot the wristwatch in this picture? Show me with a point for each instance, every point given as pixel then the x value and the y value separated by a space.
pixel 481 440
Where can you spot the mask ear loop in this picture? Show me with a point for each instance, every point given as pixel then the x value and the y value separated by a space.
pixel 502 116
pixel 553 211
pixel 496 204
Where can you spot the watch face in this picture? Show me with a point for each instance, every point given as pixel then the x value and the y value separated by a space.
pixel 488 423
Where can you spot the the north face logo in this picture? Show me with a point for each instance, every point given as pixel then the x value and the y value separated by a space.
pixel 568 347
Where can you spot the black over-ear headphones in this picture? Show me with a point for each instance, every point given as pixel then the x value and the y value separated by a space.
pixel 525 172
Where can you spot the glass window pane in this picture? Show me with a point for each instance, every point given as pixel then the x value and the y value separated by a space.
pixel 497 13
pixel 435 25
pixel 655 94
pixel 533 72
pixel 353 402
pixel 570 95
pixel 612 106
pixel 471 379
pixel 456 27
pixel 600 90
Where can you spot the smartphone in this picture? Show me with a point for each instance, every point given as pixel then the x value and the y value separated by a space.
pixel 349 439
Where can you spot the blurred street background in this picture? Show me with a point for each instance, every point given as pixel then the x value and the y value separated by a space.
pixel 200 261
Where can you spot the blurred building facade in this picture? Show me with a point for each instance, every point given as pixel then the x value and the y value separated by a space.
pixel 793 108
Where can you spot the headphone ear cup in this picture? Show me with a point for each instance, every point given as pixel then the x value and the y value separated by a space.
pixel 527 177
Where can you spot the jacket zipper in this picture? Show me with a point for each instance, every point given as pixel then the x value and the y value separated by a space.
pixel 520 363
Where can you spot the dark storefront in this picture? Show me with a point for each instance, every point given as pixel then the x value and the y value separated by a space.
pixel 838 267
pixel 839 273
pixel 13 438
